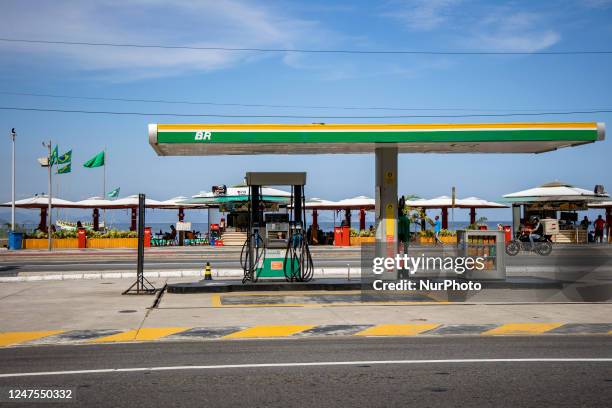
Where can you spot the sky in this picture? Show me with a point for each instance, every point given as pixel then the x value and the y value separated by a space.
pixel 445 83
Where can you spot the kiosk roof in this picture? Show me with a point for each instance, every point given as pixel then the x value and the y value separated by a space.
pixel 248 139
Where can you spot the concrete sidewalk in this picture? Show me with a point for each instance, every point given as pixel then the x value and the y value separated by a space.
pixel 98 305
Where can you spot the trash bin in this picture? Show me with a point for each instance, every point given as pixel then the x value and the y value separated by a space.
pixel 15 240
pixel 147 237
pixel 507 233
pixel 338 236
pixel 82 238
pixel 346 236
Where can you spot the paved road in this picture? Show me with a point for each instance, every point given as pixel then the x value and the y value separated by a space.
pixel 372 372
pixel 12 264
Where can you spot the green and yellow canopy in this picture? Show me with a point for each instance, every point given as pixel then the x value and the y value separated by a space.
pixel 247 139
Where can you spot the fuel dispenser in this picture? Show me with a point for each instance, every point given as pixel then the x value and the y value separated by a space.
pixel 276 246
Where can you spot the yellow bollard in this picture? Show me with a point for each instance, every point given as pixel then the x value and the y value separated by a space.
pixel 207 272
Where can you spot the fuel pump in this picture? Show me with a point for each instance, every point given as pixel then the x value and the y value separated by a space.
pixel 276 245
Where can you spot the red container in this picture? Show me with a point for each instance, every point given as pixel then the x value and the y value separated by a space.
pixel 337 236
pixel 482 227
pixel 342 236
pixel 346 236
pixel 507 233
pixel 147 237
pixel 82 238
pixel 218 242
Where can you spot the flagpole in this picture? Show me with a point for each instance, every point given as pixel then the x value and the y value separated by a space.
pixel 104 188
pixel 49 215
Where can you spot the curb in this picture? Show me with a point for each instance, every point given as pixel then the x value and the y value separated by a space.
pixel 217 273
pixel 72 337
pixel 237 273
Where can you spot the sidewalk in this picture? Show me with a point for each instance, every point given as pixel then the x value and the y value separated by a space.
pixel 86 310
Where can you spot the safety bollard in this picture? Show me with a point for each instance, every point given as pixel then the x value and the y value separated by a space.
pixel 207 272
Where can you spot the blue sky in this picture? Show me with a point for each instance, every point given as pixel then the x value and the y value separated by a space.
pixel 460 82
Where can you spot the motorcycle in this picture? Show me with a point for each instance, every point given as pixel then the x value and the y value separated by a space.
pixel 542 246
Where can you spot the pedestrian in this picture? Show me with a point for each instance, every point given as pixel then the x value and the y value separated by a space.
pixel 437 229
pixel 403 229
pixel 584 224
pixel 600 225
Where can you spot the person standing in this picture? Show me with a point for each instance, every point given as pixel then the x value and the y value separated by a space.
pixel 437 229
pixel 599 225
pixel 403 235
pixel 584 224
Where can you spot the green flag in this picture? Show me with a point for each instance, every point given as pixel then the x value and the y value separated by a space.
pixel 113 194
pixel 53 158
pixel 96 161
pixel 64 169
pixel 65 158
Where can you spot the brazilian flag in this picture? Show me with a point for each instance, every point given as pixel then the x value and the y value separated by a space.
pixel 114 193
pixel 65 158
pixel 64 169
pixel 96 161
pixel 53 158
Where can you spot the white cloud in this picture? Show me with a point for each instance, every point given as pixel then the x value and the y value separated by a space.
pixel 216 23
pixel 511 31
pixel 480 26
pixel 423 15
pixel 597 3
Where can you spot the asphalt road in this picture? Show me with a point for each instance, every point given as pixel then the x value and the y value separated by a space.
pixel 588 258
pixel 372 372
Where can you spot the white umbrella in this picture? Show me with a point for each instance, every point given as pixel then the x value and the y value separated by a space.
pixel 555 191
pixel 320 204
pixel 40 201
pixel 96 202
pixel 475 202
pixel 358 202
pixel 132 201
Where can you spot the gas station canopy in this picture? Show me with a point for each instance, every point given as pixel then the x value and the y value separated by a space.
pixel 248 139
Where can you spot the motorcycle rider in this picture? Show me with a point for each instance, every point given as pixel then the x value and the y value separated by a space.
pixel 536 231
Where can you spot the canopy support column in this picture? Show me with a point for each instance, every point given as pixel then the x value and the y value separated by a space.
pixel 42 225
pixel 444 217
pixel 386 204
pixel 472 215
pixel 133 219
pixel 96 219
pixel 315 221
pixel 362 223
pixel 347 217
pixel 516 217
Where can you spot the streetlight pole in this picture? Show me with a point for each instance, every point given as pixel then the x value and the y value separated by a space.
pixel 13 135
pixel 49 220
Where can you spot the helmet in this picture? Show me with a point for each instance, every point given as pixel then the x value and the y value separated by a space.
pixel 534 219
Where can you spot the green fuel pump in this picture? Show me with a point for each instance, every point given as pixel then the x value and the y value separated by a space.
pixel 276 246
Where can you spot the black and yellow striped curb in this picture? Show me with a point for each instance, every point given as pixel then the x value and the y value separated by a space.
pixel 8 339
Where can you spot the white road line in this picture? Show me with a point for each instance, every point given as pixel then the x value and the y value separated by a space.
pixel 313 364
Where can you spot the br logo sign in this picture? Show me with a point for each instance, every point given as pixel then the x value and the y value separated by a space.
pixel 202 135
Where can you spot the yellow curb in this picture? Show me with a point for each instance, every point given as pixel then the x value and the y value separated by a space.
pixel 397 329
pixel 10 338
pixel 144 334
pixel 268 331
pixel 522 328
